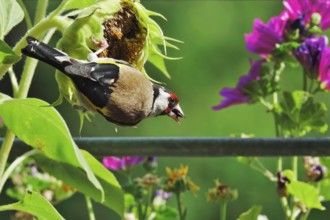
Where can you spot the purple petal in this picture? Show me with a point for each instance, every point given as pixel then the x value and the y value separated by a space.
pixel 324 68
pixel 234 96
pixel 131 161
pixel 113 163
pixel 264 37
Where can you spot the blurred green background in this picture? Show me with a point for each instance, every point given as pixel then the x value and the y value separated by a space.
pixel 214 56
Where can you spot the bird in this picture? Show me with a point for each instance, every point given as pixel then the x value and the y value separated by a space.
pixel 113 88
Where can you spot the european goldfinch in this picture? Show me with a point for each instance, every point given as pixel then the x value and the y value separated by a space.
pixel 113 88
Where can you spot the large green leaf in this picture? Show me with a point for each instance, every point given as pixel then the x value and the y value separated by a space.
pixel 10 15
pixel 43 128
pixel 6 54
pixel 298 114
pixel 324 188
pixel 36 205
pixel 307 194
pixel 251 214
pixel 74 177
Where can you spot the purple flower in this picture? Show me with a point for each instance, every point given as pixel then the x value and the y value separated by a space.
pixel 164 195
pixel 234 96
pixel 264 37
pixel 324 68
pixel 309 53
pixel 124 163
pixel 303 10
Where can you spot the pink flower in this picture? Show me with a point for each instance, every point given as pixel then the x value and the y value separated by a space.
pixel 324 68
pixel 124 163
pixel 264 37
pixel 234 96
pixel 303 10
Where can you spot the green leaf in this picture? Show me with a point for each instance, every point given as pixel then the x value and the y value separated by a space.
pixel 34 204
pixel 41 126
pixel 78 4
pixel 7 56
pixel 298 114
pixel 307 194
pixel 74 177
pixel 284 48
pixel 324 189
pixel 10 15
pixel 251 214
pixel 168 213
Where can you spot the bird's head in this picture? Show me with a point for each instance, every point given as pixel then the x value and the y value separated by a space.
pixel 166 103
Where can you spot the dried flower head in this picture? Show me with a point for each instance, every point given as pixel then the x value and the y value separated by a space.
pixel 178 181
pixel 314 170
pixel 148 181
pixel 221 192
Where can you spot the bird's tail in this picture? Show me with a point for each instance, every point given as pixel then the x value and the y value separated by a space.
pixel 47 54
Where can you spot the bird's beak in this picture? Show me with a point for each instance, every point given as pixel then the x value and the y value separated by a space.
pixel 176 113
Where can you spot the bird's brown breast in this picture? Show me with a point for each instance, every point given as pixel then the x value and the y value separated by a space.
pixel 131 99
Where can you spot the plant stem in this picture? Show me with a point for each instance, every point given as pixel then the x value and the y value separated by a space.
pixel 305 81
pixel 149 196
pixel 279 164
pixel 26 14
pixel 305 215
pixel 13 81
pixel 180 208
pixel 14 164
pixel 295 167
pixel 40 11
pixel 90 210
pixel 29 70
pixel 38 30
pixel 223 210
pixel 5 150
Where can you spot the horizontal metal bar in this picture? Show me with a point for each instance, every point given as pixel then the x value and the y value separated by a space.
pixel 197 147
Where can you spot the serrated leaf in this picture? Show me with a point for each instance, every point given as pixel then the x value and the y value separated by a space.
pixel 36 205
pixel 307 194
pixel 10 15
pixel 298 114
pixel 43 128
pixel 74 177
pixel 7 56
pixel 251 214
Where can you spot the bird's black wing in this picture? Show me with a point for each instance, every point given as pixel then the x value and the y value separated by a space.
pixel 94 80
pixel 105 74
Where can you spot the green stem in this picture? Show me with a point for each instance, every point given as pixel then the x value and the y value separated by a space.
pixel 305 215
pixel 285 206
pixel 14 164
pixel 279 164
pixel 37 31
pixel 223 210
pixel 26 14
pixel 149 197
pixel 13 81
pixel 5 150
pixel 139 207
pixel 40 11
pixel 180 208
pixel 295 167
pixel 305 81
pixel 90 210
pixel 29 70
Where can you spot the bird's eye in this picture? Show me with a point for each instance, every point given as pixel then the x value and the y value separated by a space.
pixel 171 100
